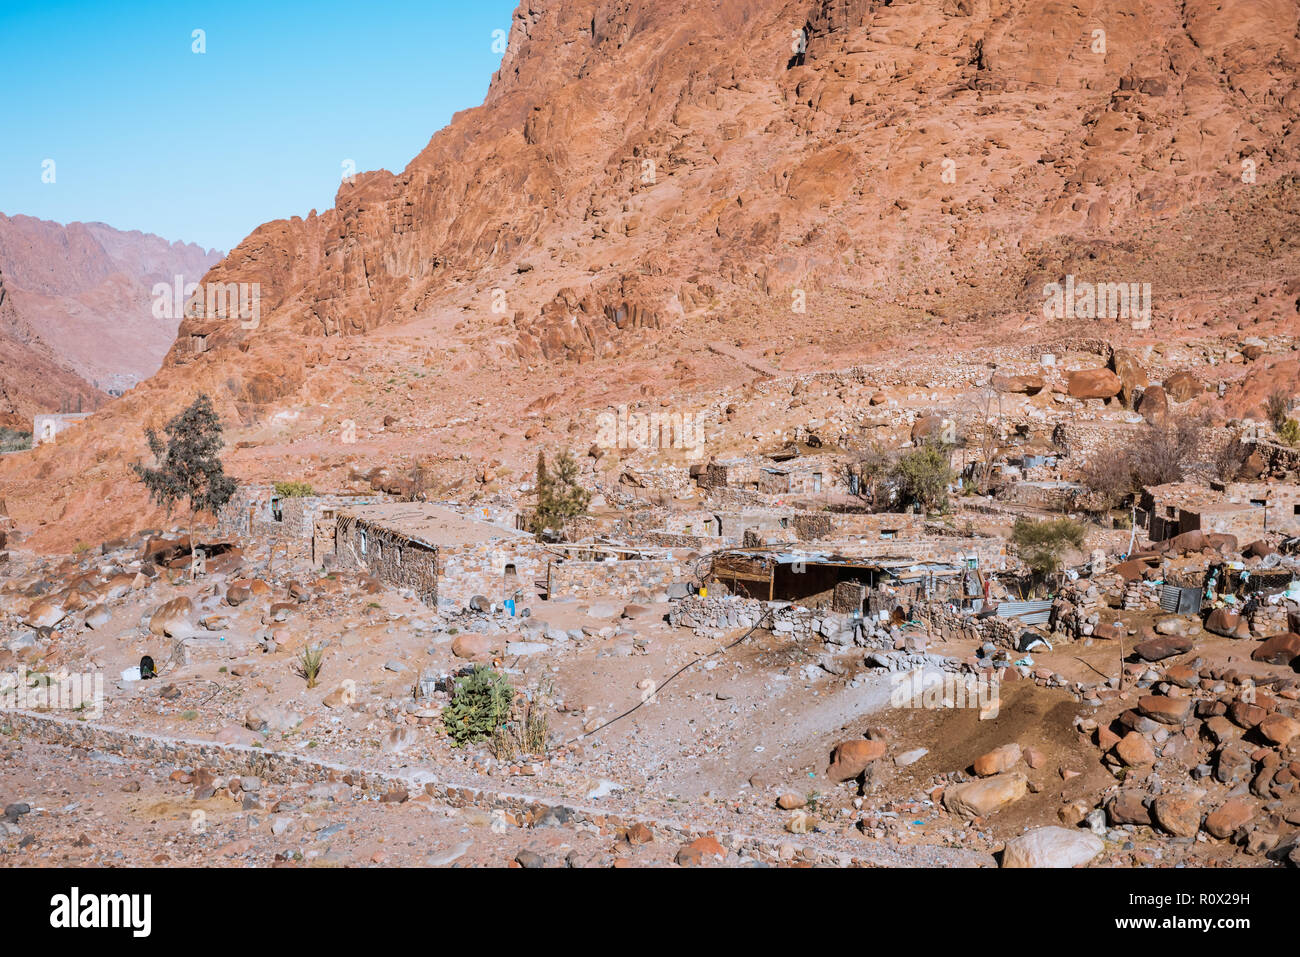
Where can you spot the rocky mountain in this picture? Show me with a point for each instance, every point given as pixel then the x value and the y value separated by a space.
pixel 88 289
pixel 816 182
pixel 32 376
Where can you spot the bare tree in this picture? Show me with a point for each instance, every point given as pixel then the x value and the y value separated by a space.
pixel 983 434
pixel 872 468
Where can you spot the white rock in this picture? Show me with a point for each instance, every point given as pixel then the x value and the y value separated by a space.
pixel 1052 847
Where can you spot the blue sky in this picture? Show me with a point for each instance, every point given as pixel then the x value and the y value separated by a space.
pixel 147 134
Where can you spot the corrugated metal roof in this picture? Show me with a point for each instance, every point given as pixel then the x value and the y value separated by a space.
pixel 1029 612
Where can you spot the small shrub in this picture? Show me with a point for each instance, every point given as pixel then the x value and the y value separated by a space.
pixel 309 663
pixel 1289 432
pixel 1275 407
pixel 527 729
pixel 12 440
pixel 480 705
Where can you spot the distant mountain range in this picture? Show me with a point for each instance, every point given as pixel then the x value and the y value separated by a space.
pixel 76 319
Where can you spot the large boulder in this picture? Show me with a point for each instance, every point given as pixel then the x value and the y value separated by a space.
pixel 1018 384
pixel 173 619
pixel 1165 646
pixel 1224 820
pixel 44 614
pixel 1280 649
pixel 1132 376
pixel 1052 847
pixel 998 760
pixel 1164 709
pixel 1182 386
pixel 473 645
pixel 850 758
pixel 1154 404
pixel 1178 814
pixel 985 796
pixel 1092 384
pixel 1221 621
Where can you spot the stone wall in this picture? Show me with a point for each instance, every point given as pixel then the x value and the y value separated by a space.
pixel 617 579
pixel 388 556
pixel 283 768
pixel 496 570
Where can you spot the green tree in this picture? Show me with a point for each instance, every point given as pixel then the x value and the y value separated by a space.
pixel 1042 545
pixel 559 496
pixel 188 465
pixel 922 476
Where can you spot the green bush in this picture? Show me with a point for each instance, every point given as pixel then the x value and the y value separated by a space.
pixel 293 490
pixel 480 704
pixel 1289 432
pixel 1042 545
pixel 922 477
pixel 12 440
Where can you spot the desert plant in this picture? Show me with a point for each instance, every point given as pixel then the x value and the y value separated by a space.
pixel 189 464
pixel 1289 432
pixel 480 704
pixel 310 660
pixel 528 727
pixel 1158 454
pixel 1276 407
pixel 12 440
pixel 922 476
pixel 871 469
pixel 1042 545
pixel 1230 458
pixel 293 490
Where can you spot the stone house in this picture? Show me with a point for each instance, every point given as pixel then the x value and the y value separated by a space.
pixel 445 557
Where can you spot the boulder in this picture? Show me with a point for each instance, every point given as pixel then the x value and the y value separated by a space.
pixel 850 758
pixel 1279 729
pixel 44 614
pixel 1135 750
pixel 1165 646
pixel 701 851
pixel 983 797
pixel 97 616
pixel 1129 806
pixel 267 718
pixel 1280 649
pixel 1224 820
pixel 1165 710
pixel 1052 847
pixel 1182 386
pixel 1092 384
pixel 472 645
pixel 1018 384
pixel 1221 621
pixel 1154 404
pixel 998 760
pixel 1178 814
pixel 173 619
pixel 1131 375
